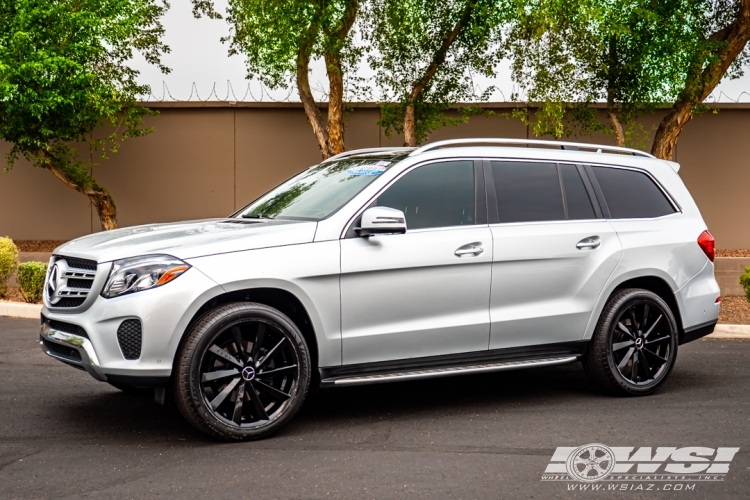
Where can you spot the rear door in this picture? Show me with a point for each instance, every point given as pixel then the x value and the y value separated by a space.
pixel 426 292
pixel 552 252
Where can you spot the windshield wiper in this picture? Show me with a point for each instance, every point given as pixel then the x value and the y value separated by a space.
pixel 257 216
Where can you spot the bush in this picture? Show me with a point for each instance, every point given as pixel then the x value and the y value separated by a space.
pixel 8 263
pixel 31 280
pixel 745 282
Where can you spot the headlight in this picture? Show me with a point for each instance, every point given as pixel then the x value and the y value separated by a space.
pixel 141 273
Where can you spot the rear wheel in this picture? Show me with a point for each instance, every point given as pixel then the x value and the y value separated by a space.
pixel 243 372
pixel 634 346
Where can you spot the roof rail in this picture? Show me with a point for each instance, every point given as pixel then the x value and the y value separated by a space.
pixel 576 146
pixel 353 152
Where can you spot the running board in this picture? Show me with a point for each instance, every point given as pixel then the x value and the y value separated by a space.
pixel 448 371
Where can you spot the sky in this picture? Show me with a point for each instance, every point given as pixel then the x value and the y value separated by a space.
pixel 203 70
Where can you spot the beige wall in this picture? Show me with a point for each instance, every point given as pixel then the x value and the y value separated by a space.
pixel 207 160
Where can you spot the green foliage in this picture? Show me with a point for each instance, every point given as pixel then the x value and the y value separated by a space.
pixel 407 37
pixel 30 279
pixel 271 33
pixel 745 282
pixel 633 55
pixel 8 262
pixel 64 71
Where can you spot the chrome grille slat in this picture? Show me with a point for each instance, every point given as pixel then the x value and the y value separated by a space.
pixel 73 284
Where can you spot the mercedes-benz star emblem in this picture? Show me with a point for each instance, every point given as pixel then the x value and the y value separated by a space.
pixel 52 282
pixel 248 373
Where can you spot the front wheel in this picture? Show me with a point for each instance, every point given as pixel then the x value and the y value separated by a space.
pixel 634 346
pixel 243 372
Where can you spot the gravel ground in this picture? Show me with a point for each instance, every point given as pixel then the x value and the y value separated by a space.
pixel 735 311
pixel 37 245
pixel 742 252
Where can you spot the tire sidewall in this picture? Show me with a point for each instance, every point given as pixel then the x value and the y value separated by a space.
pixel 622 302
pixel 208 329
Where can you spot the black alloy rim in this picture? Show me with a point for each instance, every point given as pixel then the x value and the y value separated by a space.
pixel 641 343
pixel 249 373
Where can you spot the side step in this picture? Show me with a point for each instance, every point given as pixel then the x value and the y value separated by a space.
pixel 448 371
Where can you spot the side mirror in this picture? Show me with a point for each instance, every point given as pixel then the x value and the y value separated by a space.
pixel 382 220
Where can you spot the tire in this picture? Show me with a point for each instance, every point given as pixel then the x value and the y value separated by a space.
pixel 242 372
pixel 630 360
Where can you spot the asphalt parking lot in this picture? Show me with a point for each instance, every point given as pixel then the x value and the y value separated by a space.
pixel 65 435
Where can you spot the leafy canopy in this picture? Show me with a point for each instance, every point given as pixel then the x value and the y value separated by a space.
pixel 406 37
pixel 631 54
pixel 64 71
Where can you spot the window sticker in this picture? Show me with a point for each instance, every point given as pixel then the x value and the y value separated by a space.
pixel 376 169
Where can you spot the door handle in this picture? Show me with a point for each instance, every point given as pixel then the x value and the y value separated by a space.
pixel 589 243
pixel 469 249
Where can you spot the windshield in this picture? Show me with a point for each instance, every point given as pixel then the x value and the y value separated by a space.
pixel 319 191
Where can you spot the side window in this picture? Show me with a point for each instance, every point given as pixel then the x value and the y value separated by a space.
pixel 631 195
pixel 576 197
pixel 435 195
pixel 528 191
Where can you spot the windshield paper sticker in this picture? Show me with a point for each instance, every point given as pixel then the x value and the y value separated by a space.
pixel 375 169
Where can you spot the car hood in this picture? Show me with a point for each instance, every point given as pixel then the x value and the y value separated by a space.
pixel 186 240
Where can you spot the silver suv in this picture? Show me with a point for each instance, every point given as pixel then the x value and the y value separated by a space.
pixel 380 265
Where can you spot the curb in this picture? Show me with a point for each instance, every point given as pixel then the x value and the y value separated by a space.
pixel 20 310
pixel 730 332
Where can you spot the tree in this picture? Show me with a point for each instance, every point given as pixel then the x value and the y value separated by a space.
pixel 721 51
pixel 279 39
pixel 628 54
pixel 64 72
pixel 425 56
pixel 635 56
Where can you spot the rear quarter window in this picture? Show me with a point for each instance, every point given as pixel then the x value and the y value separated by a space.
pixel 631 195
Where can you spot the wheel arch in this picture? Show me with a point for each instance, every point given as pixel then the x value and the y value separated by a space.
pixel 278 298
pixel 653 282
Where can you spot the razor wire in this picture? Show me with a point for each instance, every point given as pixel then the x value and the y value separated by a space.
pixel 320 92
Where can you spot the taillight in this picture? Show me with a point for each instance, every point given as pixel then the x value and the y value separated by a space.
pixel 707 244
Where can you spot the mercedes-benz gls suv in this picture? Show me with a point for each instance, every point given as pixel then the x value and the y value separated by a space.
pixel 390 264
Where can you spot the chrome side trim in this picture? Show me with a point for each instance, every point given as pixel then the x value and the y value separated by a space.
pixel 458 370
pixel 89 360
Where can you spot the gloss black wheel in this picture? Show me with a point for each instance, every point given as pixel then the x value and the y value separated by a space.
pixel 244 371
pixel 634 346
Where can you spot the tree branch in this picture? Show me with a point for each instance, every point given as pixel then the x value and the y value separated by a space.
pixel 702 81
pixel 314 117
pixel 438 58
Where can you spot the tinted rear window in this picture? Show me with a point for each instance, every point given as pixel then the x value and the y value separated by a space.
pixel 527 192
pixel 631 195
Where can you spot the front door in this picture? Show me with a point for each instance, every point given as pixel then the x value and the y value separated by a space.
pixel 426 292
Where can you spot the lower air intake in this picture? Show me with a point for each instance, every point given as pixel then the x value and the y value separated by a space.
pixel 130 338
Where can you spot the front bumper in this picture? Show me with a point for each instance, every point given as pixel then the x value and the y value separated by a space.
pixel 89 339
pixel 80 351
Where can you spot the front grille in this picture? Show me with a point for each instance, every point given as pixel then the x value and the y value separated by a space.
pixel 76 283
pixel 129 337
pixel 88 265
pixel 69 302
pixel 61 326
pixel 72 280
pixel 62 351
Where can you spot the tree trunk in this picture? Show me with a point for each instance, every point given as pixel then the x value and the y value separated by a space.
pixel 99 196
pixel 614 122
pixel 335 104
pixel 410 119
pixel 701 81
pixel 314 117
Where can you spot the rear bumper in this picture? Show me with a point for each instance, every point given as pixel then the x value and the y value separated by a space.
pixel 698 331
